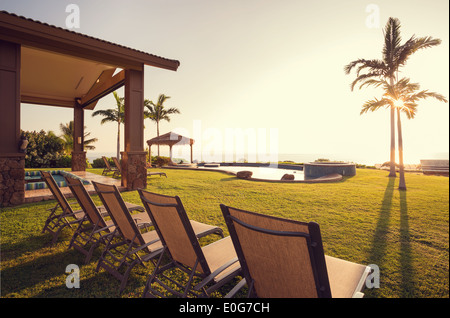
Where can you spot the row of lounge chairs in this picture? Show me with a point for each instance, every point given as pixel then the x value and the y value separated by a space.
pixel 275 257
pixel 117 169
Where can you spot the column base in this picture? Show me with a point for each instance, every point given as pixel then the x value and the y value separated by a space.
pixel 134 171
pixel 12 179
pixel 79 161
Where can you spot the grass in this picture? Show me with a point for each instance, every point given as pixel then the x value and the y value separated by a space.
pixel 364 219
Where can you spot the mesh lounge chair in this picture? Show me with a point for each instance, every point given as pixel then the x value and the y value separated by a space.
pixel 124 245
pixel 285 258
pixel 131 237
pixel 150 171
pixel 56 222
pixel 215 264
pixel 156 173
pixel 92 229
pixel 118 170
pixel 108 167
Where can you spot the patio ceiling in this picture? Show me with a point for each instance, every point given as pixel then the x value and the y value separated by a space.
pixel 59 66
pixel 55 79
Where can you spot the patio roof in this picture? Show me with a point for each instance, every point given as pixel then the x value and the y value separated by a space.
pixel 47 65
pixel 59 66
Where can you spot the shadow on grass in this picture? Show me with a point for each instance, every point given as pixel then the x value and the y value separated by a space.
pixel 36 271
pixel 379 254
pixel 379 242
pixel 407 274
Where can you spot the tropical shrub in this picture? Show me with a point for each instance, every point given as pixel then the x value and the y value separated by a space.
pixel 99 163
pixel 160 161
pixel 44 149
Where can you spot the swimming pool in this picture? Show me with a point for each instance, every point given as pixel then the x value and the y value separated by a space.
pixel 262 172
pixel 33 180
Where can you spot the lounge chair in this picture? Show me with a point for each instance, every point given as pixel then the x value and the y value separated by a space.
pixel 282 258
pixel 150 171
pixel 118 170
pixel 56 222
pixel 108 167
pixel 92 229
pixel 115 256
pixel 126 243
pixel 436 167
pixel 215 264
pixel 156 173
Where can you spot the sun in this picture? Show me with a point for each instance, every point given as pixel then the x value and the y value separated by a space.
pixel 398 103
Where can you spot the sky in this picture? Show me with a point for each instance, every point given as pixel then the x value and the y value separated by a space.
pixel 264 76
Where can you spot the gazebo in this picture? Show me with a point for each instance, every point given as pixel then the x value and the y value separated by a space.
pixel 170 139
pixel 46 65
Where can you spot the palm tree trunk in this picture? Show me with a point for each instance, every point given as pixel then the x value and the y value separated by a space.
pixel 392 157
pixel 157 133
pixel 402 183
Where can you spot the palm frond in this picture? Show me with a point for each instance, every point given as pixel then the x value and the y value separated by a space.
pixel 413 45
pixel 375 104
pixel 364 77
pixel 373 82
pixel 157 112
pixel 392 40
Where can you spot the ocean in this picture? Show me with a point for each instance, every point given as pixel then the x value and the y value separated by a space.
pixel 298 158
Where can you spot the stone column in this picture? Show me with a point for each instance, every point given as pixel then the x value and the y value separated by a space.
pixel 134 168
pixel 12 162
pixel 134 172
pixel 12 179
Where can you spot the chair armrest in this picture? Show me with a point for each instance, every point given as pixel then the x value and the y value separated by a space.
pixel 103 229
pixel 210 277
pixel 144 246
pixel 236 288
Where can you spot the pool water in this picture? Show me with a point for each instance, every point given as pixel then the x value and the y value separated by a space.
pixel 267 173
pixel 33 180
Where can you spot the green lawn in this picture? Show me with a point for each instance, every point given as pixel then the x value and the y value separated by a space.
pixel 363 219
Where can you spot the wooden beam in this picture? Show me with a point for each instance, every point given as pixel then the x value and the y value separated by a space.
pixel 106 84
pixel 45 101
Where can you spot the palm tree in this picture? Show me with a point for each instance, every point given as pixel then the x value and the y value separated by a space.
pixel 67 137
pixel 157 112
pixel 403 97
pixel 114 115
pixel 394 57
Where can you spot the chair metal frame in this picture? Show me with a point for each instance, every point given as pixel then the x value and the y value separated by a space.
pixel 118 170
pixel 108 167
pixel 55 222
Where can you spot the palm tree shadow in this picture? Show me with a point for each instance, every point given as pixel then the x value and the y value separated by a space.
pixel 407 279
pixel 379 241
pixel 378 249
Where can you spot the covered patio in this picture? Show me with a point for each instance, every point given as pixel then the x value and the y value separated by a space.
pixel 41 64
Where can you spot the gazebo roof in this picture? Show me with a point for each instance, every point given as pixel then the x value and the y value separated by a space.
pixel 170 139
pixel 59 66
